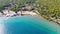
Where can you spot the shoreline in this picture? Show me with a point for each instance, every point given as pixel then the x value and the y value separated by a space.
pixel 24 13
pixel 51 20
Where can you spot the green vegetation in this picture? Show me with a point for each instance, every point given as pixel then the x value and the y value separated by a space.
pixel 18 3
pixel 49 8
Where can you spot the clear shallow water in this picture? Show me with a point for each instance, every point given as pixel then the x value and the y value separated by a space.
pixel 28 25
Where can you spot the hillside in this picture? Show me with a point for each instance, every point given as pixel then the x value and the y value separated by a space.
pixel 49 9
pixel 19 3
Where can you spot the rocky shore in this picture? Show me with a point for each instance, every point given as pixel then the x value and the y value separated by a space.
pixel 10 13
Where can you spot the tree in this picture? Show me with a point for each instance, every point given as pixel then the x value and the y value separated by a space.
pixel 52 7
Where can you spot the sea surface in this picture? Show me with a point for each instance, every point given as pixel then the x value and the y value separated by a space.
pixel 27 25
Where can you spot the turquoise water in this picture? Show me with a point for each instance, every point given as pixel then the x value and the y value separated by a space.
pixel 28 25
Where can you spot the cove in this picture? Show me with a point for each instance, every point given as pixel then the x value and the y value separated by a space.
pixel 28 25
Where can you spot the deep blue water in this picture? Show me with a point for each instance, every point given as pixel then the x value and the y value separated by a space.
pixel 29 25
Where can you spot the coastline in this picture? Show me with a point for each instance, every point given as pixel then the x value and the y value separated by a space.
pixel 24 13
pixel 56 21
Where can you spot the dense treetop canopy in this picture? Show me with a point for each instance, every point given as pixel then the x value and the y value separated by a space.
pixel 49 8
